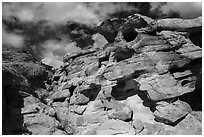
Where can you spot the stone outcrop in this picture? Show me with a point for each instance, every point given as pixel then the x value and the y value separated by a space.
pixel 24 96
pixel 144 79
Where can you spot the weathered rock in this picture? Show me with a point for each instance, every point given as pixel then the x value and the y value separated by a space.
pixel 63 115
pixel 185 73
pixel 61 95
pixel 138 125
pixel 124 89
pixel 189 126
pixel 146 43
pixel 140 112
pixel 169 113
pixel 164 86
pixel 147 19
pixel 40 124
pixel 51 112
pixel 94 106
pixel 77 109
pixel 107 29
pixel 128 82
pixel 99 41
pixel 123 113
pixel 179 24
pixel 59 132
pixel 23 86
pixel 151 129
pixel 122 54
pixel 66 86
pixel 79 99
pixel 85 93
pixel 125 69
pixel 115 127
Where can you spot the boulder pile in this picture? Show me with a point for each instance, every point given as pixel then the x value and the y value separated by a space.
pixel 143 78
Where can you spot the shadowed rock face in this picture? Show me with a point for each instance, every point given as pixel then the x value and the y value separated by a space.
pixel 23 91
pixel 145 80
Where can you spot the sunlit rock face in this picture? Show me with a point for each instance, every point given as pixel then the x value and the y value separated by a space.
pixel 141 77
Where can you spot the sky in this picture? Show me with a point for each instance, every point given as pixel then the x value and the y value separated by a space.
pixel 84 13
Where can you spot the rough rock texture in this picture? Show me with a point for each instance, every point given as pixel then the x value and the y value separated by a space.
pixel 115 127
pixel 144 79
pixel 24 96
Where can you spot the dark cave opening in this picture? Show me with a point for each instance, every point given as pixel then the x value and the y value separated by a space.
pixel 196 38
pixel 129 35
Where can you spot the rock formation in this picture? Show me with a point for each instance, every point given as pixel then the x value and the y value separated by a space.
pixel 145 79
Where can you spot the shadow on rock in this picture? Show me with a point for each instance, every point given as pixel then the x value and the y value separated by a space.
pixel 194 99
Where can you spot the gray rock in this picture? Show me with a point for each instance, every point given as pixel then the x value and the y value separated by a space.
pixel 122 113
pixel 140 112
pixel 115 127
pixel 151 129
pixel 79 99
pixel 127 68
pixel 178 24
pixel 189 126
pixel 99 41
pixel 107 29
pixel 40 124
pixel 164 86
pixel 66 86
pixel 60 95
pixel 77 109
pixel 138 125
pixel 171 112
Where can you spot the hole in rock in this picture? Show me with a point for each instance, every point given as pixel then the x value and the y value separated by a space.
pixel 71 90
pixel 59 99
pixel 102 59
pixel 195 66
pixel 93 92
pixel 194 99
pixel 175 69
pixel 129 35
pixel 196 38
pixel 184 82
pixel 124 89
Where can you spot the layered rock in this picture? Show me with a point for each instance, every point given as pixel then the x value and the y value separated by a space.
pixel 134 75
pixel 24 96
pixel 137 82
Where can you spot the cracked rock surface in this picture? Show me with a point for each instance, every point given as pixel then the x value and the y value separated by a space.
pixel 143 78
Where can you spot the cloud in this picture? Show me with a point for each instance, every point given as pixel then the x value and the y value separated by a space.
pixel 12 39
pixel 56 12
pixel 53 51
pixel 184 9
pixel 60 12
pixel 104 9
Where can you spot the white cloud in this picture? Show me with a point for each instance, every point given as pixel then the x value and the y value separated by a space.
pixel 53 51
pixel 12 39
pixel 57 12
pixel 185 9
pixel 60 12
pixel 103 9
